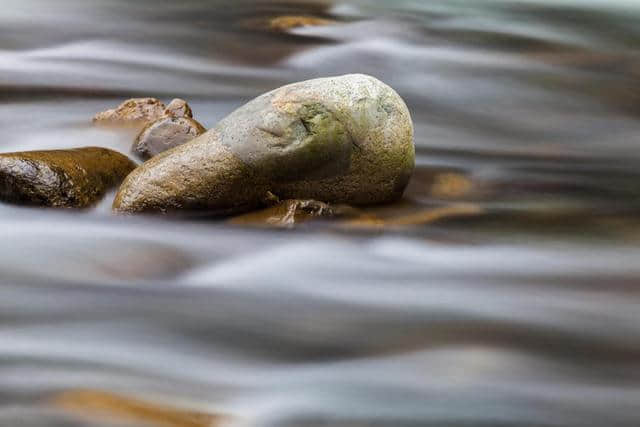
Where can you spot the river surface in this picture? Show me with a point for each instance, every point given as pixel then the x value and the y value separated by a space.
pixel 521 311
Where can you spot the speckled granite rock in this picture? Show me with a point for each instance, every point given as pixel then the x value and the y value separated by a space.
pixel 346 139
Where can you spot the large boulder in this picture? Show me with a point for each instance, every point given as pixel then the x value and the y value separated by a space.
pixel 346 139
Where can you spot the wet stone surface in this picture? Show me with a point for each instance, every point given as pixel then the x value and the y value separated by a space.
pixel 165 133
pixel 75 178
pixel 346 139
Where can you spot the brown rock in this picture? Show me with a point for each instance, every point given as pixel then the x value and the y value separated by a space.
pixel 132 112
pixel 61 178
pixel 409 214
pixel 229 184
pixel 288 213
pixel 178 108
pixel 287 22
pixel 165 133
pixel 451 185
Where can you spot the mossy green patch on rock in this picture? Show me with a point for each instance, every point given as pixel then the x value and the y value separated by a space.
pixel 346 139
pixel 61 178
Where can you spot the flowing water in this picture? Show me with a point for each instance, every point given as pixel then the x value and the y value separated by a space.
pixel 523 313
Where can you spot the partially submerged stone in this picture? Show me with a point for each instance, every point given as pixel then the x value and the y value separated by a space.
pixel 61 178
pixel 98 406
pixel 284 23
pixel 346 139
pixel 287 22
pixel 165 133
pixel 162 127
pixel 411 215
pixel 451 185
pixel 178 108
pixel 132 112
pixel 289 213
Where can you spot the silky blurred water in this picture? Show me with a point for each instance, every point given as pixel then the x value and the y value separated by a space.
pixel 523 315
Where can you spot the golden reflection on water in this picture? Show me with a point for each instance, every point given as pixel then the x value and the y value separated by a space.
pixel 101 405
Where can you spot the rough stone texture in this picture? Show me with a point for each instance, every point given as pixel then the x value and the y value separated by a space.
pixel 61 178
pixel 165 133
pixel 132 112
pixel 178 108
pixel 346 139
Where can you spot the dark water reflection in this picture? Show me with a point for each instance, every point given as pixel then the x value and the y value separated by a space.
pixel 523 314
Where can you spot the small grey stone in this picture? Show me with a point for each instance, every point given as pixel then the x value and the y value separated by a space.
pixel 165 133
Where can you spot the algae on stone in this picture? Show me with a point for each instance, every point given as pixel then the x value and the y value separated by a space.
pixel 346 139
pixel 61 178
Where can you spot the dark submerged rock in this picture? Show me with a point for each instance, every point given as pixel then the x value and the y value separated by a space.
pixel 288 213
pixel 165 133
pixel 61 178
pixel 287 22
pixel 106 408
pixel 346 139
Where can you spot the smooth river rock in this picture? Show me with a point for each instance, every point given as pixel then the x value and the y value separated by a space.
pixel 165 133
pixel 61 178
pixel 346 139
